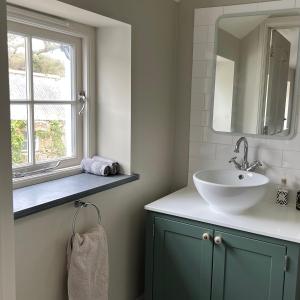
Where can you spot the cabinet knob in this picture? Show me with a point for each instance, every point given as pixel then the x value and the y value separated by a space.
pixel 218 240
pixel 206 236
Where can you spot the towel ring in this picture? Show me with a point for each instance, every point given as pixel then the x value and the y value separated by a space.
pixel 81 204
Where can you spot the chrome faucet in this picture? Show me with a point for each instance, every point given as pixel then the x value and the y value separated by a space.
pixel 244 165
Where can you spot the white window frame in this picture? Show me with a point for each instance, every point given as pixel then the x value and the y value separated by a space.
pixel 83 37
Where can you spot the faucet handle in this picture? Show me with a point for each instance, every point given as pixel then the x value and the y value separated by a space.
pixel 232 159
pixel 236 164
pixel 254 166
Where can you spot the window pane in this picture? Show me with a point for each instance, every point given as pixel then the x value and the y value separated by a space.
pixel 52 68
pixel 17 66
pixel 53 131
pixel 19 136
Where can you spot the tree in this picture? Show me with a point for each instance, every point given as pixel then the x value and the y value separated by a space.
pixel 49 132
pixel 41 60
pixel 50 135
pixel 51 139
pixel 18 135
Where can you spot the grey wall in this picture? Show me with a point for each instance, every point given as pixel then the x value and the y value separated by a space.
pixel 7 274
pixel 41 238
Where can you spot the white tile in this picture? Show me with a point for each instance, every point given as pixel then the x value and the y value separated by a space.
pixel 209 164
pixel 210 66
pixel 204 118
pixel 197 93
pixel 273 143
pixel 190 179
pixel 201 86
pixel 196 164
pixel 224 152
pixel 252 141
pixel 210 150
pixel 252 154
pixel 207 16
pixel 203 151
pixel 201 34
pixel 195 119
pixel 199 117
pixel 210 51
pixel 275 174
pixel 272 5
pixel 292 144
pixel 293 178
pixel 198 101
pixel 207 88
pixel 270 157
pixel 211 33
pixel 199 68
pixel 291 159
pixel 196 133
pixel 198 86
pixel 252 7
pixel 199 51
pixel 208 101
pixel 203 51
pixel 217 138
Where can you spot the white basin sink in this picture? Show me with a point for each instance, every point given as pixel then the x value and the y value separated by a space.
pixel 230 191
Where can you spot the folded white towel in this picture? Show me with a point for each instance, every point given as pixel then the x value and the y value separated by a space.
pixel 114 165
pixel 88 269
pixel 95 167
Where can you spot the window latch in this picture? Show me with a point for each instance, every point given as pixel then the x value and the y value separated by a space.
pixel 38 171
pixel 82 101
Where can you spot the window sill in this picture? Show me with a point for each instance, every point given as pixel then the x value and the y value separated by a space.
pixel 32 199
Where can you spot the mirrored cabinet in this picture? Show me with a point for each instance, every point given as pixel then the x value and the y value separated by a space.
pixel 256 71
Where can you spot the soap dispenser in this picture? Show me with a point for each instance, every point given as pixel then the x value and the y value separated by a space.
pixel 282 193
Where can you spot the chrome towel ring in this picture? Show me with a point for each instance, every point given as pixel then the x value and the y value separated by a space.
pixel 79 205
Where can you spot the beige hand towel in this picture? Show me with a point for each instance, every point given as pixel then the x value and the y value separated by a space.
pixel 88 269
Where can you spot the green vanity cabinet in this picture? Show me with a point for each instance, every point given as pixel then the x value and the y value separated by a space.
pixel 247 269
pixel 189 260
pixel 182 261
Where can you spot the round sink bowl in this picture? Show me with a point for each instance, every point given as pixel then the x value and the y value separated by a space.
pixel 230 191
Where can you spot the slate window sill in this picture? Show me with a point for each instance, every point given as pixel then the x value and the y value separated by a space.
pixel 35 198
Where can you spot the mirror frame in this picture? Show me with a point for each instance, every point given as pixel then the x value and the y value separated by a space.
pixel 283 14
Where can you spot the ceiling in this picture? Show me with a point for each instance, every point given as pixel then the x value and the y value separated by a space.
pixel 63 10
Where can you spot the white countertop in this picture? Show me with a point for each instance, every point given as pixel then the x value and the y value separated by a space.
pixel 266 218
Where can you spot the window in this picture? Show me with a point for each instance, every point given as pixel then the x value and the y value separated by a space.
pixel 45 77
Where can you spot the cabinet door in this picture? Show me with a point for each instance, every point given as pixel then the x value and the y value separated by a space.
pixel 182 261
pixel 247 269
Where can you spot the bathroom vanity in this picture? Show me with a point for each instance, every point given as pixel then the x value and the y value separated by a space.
pixel 247 68
pixel 193 252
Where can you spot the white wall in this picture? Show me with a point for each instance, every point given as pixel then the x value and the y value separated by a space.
pixel 114 94
pixel 210 150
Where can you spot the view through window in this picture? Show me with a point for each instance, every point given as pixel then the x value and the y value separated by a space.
pixel 42 94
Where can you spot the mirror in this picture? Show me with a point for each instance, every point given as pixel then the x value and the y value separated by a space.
pixel 256 62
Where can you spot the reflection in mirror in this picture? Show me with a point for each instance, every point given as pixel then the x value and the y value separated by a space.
pixel 256 61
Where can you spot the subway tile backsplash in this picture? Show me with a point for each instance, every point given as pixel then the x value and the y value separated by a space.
pixel 210 150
